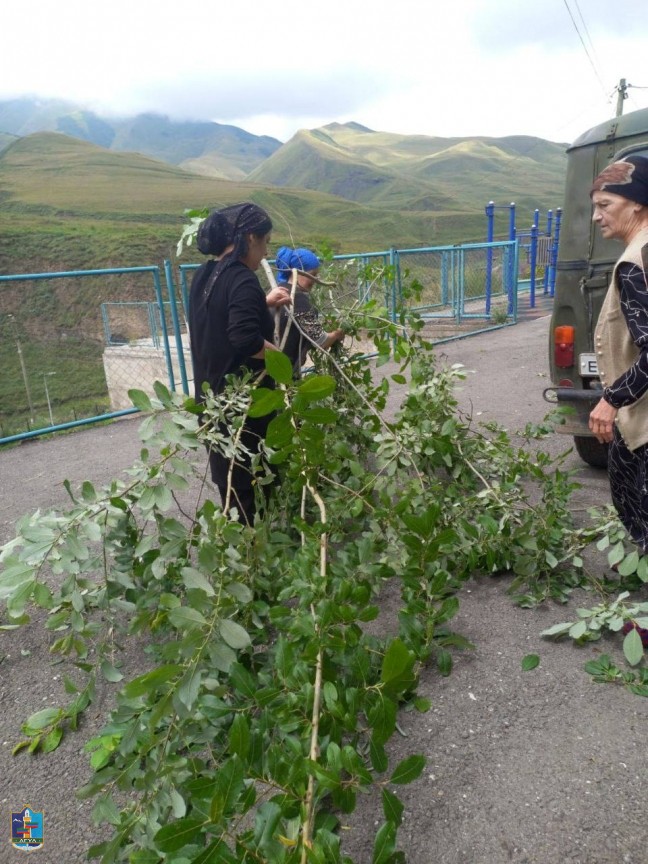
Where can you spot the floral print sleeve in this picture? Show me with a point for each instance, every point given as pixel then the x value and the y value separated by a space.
pixel 308 318
pixel 633 287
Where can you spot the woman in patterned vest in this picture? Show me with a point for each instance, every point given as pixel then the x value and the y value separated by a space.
pixel 620 199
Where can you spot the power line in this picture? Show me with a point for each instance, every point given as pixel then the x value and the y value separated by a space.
pixel 589 38
pixel 593 65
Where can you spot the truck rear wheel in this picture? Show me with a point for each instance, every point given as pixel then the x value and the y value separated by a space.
pixel 590 451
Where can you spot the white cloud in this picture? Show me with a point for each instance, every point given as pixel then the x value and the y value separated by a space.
pixel 449 67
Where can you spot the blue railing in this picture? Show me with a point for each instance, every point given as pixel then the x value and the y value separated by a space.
pixel 460 283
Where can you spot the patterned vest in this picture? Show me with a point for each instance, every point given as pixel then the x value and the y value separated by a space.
pixel 616 352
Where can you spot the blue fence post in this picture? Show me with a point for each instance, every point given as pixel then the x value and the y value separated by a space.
pixel 153 325
pixel 444 278
pixel 490 233
pixel 394 263
pixel 106 324
pixel 512 220
pixel 176 325
pixel 533 258
pixel 554 252
pixel 547 255
pixel 165 333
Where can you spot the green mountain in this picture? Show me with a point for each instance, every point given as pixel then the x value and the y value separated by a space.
pixel 379 169
pixel 68 204
pixel 418 172
pixel 314 160
pixel 212 149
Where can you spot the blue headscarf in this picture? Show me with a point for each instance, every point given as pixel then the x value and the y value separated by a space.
pixel 294 259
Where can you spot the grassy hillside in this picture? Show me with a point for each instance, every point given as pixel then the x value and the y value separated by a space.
pixel 419 172
pixel 67 204
pixel 313 160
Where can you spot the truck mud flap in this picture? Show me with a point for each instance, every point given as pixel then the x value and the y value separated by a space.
pixel 581 401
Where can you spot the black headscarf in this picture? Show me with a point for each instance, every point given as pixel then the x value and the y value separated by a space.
pixel 228 226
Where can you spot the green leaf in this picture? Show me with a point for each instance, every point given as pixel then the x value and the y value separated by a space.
pixel 281 431
pixel 319 414
pixel 642 569
pixel 184 618
pixel 105 810
pixel 392 807
pixel 193 578
pixel 578 629
pixel 217 852
pixel 408 770
pixel 558 629
pixel 316 387
pixel 378 756
pixel 233 634
pixel 189 687
pixel 531 661
pixel 239 736
pixel 88 492
pixel 266 826
pixel 14 576
pixel 52 740
pixel 110 672
pixel 265 401
pixel 444 662
pixel 230 783
pixel 144 856
pixel 151 680
pixel 616 554
pixel 633 647
pixel 279 367
pixel 175 835
pixel 140 400
pixel 629 564
pixel 384 844
pixel 42 719
pixel 398 660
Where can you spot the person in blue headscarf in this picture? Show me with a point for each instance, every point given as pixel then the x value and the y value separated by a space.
pixel 309 330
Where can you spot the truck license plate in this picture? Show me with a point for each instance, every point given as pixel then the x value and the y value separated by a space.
pixel 588 365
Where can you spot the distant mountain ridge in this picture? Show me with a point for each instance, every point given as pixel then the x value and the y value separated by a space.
pixel 212 149
pixel 380 169
pixel 343 183
pixel 417 171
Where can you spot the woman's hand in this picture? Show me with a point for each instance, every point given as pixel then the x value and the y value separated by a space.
pixel 601 421
pixel 333 337
pixel 278 297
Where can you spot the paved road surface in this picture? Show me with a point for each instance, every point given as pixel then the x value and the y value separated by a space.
pixel 533 768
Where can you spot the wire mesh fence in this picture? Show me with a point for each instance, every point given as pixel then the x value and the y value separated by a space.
pixel 59 368
pixel 73 344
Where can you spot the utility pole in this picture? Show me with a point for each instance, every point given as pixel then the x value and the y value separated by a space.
pixel 622 93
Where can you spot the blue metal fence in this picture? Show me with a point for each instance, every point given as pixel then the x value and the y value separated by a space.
pixel 459 289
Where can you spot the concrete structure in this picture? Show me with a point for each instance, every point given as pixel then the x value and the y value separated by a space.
pixel 140 363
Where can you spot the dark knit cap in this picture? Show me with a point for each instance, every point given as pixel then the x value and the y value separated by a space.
pixel 628 177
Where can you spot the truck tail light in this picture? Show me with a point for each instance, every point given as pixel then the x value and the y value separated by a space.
pixel 564 346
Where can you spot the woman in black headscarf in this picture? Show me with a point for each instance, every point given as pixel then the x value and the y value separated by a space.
pixel 231 327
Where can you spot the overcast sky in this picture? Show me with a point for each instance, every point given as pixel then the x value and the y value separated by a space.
pixel 434 67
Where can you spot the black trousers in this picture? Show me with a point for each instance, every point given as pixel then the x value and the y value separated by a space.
pixel 628 473
pixel 242 481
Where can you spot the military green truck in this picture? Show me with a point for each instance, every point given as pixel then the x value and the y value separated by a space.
pixel 583 271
